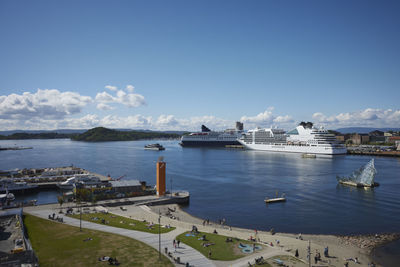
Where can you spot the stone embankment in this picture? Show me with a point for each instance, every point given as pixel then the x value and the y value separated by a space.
pixel 375 153
pixel 369 242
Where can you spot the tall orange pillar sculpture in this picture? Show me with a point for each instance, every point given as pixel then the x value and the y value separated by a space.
pixel 161 178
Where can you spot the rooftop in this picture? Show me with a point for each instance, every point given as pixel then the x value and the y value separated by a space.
pixel 125 183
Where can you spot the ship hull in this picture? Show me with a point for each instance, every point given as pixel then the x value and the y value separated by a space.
pixel 208 143
pixel 296 149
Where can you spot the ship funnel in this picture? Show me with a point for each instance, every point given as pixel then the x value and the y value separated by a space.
pixel 204 128
pixel 239 126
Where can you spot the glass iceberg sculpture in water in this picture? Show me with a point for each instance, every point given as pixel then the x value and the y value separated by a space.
pixel 361 177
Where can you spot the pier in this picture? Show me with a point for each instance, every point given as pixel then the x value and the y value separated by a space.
pixel 106 192
pixel 374 153
pixel 46 178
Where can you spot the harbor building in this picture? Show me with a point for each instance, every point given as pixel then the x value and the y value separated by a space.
pixel 128 186
pixel 358 139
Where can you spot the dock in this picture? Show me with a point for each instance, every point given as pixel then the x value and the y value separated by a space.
pixel 107 192
pixel 359 185
pixel 274 200
pixel 15 148
pixel 235 146
pixel 47 178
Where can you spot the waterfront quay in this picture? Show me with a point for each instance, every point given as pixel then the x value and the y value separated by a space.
pixel 181 197
pixel 103 191
pixel 373 151
pixel 47 178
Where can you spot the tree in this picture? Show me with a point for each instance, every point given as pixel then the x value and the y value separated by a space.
pixel 60 200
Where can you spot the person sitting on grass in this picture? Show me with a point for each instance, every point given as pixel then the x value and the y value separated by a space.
pixel 113 261
pixel 104 258
pixel 194 230
pixel 203 238
pixel 260 260
pixel 215 231
pixel 207 244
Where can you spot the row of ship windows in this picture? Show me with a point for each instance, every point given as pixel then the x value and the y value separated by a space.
pixel 289 144
pixel 321 145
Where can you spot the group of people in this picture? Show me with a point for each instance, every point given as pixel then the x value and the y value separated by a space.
pixel 206 222
pixel 346 264
pixel 111 260
pixel 176 243
pixel 222 221
pixel 317 257
pixel 54 218
pixel 194 231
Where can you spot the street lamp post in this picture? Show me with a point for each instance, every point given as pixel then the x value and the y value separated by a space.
pixel 80 217
pixel 171 186
pixel 159 234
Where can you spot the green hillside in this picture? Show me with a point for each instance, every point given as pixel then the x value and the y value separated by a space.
pixel 101 134
pixel 20 136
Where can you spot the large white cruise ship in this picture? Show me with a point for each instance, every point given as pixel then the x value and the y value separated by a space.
pixel 210 138
pixel 304 139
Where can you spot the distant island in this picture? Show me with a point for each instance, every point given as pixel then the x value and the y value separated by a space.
pixel 101 134
pixel 98 134
pixel 47 135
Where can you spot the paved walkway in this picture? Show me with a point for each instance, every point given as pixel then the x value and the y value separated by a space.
pixel 186 253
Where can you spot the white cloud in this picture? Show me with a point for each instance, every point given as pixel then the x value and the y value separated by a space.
pixel 133 122
pixel 85 122
pixel 266 119
pixel 103 106
pixel 166 120
pixel 130 88
pixel 121 97
pixel 104 97
pixel 262 118
pixel 283 119
pixel 368 118
pixel 111 88
pixel 50 104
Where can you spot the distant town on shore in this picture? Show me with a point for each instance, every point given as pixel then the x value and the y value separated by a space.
pixel 349 136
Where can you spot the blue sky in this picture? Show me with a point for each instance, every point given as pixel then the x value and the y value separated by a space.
pixel 336 63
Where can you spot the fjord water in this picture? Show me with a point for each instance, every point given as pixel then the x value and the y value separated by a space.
pixel 232 183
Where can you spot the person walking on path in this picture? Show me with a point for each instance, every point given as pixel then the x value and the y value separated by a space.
pixel 326 253
pixel 178 243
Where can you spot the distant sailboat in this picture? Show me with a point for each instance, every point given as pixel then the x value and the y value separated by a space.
pixel 363 177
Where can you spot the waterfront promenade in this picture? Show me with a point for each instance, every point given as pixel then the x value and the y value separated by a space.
pixel 186 253
pixel 287 243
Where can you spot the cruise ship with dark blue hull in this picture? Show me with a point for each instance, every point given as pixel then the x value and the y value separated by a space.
pixel 209 143
pixel 208 138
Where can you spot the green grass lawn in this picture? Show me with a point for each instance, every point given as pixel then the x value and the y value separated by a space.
pixel 58 244
pixel 122 222
pixel 221 250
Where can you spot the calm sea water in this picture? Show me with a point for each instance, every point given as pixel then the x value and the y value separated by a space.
pixel 232 184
